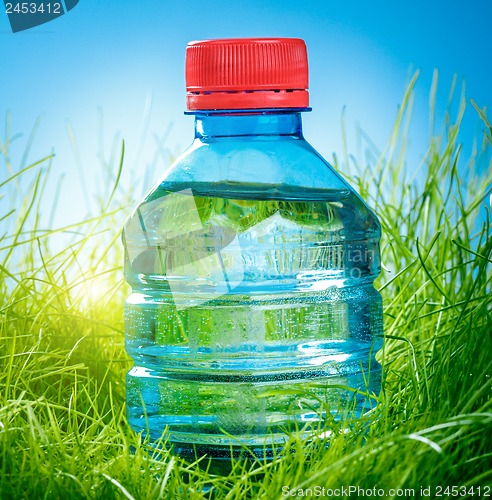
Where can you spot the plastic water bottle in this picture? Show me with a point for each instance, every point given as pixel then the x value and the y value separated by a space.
pixel 252 262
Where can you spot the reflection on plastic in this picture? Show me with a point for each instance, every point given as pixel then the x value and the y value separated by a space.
pixel 168 255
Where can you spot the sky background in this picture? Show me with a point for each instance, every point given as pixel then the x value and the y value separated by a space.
pixel 115 69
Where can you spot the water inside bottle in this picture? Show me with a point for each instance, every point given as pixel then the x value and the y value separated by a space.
pixel 253 312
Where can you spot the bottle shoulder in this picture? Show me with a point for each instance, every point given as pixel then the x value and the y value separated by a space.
pixel 287 168
pixel 284 161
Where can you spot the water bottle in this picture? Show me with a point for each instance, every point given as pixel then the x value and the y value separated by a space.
pixel 252 261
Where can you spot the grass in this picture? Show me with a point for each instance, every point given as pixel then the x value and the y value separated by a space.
pixel 63 431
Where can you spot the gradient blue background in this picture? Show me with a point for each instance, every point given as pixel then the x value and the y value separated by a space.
pixel 115 69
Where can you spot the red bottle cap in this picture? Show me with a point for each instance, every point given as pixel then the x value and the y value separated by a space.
pixel 246 73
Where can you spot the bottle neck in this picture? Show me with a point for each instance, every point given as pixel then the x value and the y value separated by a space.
pixel 272 122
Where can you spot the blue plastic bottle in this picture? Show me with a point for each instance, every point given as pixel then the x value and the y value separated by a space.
pixel 252 264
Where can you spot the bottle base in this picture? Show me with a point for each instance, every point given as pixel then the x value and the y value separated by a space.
pixel 220 449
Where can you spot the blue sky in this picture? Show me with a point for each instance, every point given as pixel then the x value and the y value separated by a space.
pixel 124 61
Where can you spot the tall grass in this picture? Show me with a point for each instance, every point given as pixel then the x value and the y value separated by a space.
pixel 62 362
